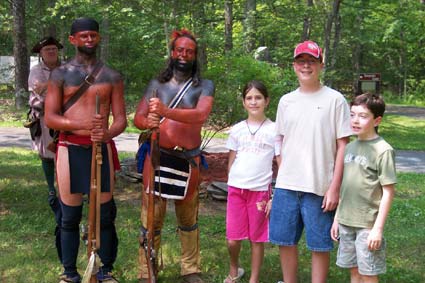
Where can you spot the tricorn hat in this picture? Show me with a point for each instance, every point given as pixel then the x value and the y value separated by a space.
pixel 48 40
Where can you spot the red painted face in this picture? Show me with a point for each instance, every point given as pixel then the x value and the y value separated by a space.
pixel 184 50
pixel 88 39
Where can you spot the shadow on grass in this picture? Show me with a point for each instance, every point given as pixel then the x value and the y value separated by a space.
pixel 403 132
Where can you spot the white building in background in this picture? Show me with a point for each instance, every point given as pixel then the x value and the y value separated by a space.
pixel 7 68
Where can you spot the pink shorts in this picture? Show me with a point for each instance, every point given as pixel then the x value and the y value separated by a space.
pixel 246 217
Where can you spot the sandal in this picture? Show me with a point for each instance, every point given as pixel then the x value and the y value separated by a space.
pixel 230 279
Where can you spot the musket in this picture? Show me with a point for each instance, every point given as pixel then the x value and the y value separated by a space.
pixel 93 236
pixel 149 239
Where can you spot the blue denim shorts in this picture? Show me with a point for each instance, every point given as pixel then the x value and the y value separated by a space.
pixel 291 212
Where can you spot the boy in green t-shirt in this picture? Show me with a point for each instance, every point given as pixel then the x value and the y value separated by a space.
pixel 367 191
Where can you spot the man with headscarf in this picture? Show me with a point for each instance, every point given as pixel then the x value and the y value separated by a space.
pixel 180 124
pixel 79 127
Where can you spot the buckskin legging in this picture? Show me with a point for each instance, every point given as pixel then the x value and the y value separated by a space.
pixel 187 220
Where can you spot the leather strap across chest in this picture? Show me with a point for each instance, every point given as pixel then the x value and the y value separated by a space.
pixel 88 81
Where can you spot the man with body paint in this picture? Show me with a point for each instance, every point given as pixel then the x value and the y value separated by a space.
pixel 79 127
pixel 180 126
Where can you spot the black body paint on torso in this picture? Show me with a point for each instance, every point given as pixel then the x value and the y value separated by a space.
pixel 167 91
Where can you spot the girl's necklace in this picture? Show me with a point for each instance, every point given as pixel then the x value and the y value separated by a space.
pixel 253 133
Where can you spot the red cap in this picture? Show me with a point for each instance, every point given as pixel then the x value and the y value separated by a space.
pixel 308 47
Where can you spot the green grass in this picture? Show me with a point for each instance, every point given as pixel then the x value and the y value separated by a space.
pixel 403 132
pixel 9 115
pixel 27 242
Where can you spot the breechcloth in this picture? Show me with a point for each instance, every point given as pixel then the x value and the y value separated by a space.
pixel 74 163
pixel 171 180
pixel 187 218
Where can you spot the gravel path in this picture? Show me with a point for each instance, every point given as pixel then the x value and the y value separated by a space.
pixel 410 111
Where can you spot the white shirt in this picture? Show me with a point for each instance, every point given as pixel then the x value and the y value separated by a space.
pixel 252 167
pixel 310 125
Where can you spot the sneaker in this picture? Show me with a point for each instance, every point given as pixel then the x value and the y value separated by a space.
pixel 68 278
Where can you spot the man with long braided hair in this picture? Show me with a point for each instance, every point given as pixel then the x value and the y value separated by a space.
pixel 179 122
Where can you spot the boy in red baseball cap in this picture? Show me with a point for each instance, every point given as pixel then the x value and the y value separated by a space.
pixel 316 119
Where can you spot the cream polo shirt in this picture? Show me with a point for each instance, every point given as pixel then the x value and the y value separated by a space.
pixel 310 125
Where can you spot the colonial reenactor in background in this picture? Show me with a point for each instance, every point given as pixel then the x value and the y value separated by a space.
pixel 48 50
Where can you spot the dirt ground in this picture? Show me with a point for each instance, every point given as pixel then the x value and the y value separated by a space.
pixel 217 167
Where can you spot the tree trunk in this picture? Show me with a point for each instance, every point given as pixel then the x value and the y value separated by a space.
pixel 170 20
pixel 307 22
pixel 333 59
pixel 166 31
pixel 357 52
pixel 403 64
pixel 250 25
pixel 104 47
pixel 20 53
pixel 228 25
pixel 332 17
pixel 198 17
pixel 51 29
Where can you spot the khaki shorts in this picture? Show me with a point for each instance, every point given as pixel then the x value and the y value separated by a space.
pixel 353 251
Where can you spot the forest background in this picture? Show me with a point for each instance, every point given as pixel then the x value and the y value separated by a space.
pixel 357 36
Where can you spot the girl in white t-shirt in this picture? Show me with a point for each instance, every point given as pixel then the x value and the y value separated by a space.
pixel 252 146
